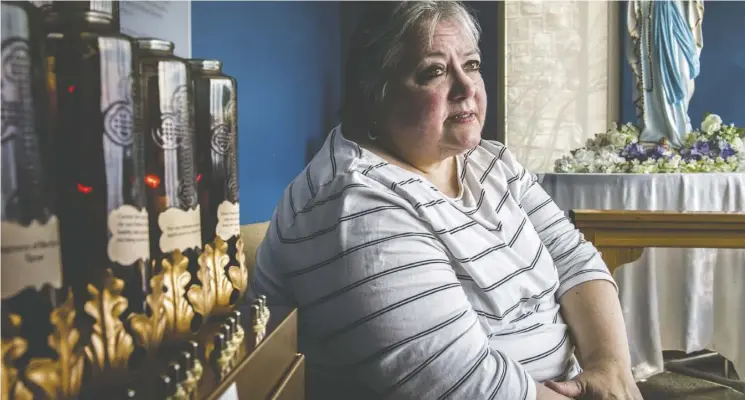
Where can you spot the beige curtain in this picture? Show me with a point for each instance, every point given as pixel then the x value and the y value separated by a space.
pixel 561 76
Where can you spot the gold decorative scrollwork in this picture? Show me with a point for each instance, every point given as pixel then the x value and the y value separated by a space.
pixel 226 278
pixel 215 258
pixel 12 349
pixel 149 331
pixel 179 312
pixel 63 377
pixel 203 297
pixel 238 274
pixel 110 346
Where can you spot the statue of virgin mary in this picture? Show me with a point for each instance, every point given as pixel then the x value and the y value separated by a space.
pixel 663 52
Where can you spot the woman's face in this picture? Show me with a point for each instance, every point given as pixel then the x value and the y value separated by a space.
pixel 436 104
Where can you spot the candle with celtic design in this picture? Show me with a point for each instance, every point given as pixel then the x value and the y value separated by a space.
pixel 100 170
pixel 217 162
pixel 171 178
pixel 39 340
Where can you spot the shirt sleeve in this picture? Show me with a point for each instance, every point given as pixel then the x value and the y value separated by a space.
pixel 378 298
pixel 577 260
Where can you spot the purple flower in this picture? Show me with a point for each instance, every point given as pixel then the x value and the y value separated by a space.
pixel 634 151
pixel 660 151
pixel 727 151
pixel 701 148
pixel 688 155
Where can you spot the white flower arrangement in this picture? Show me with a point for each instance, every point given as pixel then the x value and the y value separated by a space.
pixel 716 147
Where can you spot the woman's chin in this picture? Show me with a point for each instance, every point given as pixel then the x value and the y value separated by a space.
pixel 467 138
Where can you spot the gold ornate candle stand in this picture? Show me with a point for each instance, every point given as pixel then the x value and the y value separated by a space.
pixel 175 348
pixel 183 298
pixel 213 354
pixel 45 378
pixel 110 345
pixel 204 368
pixel 149 329
pixel 114 339
pixel 106 353
pixel 229 280
pixel 211 297
pixel 12 349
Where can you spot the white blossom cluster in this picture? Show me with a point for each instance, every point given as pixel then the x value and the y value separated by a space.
pixel 716 147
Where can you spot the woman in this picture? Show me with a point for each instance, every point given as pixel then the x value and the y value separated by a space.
pixel 425 262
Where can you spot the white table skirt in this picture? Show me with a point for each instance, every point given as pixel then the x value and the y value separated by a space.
pixel 672 299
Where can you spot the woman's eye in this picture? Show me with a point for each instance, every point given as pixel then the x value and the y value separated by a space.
pixel 473 65
pixel 434 72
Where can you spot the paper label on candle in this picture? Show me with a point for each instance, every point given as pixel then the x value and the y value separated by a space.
pixel 30 256
pixel 130 235
pixel 228 220
pixel 180 229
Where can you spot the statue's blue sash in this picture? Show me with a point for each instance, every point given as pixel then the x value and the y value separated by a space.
pixel 670 30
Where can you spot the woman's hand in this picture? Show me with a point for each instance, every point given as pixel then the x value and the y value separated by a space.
pixel 544 393
pixel 599 381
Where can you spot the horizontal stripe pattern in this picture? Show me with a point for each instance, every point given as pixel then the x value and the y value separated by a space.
pixel 405 293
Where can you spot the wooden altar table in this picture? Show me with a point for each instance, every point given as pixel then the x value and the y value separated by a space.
pixel 672 298
pixel 622 236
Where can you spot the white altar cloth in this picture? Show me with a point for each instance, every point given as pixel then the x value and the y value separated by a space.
pixel 672 299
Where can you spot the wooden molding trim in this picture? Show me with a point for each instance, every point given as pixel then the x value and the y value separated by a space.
pixel 621 235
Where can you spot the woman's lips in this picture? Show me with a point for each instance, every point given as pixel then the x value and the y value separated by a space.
pixel 462 118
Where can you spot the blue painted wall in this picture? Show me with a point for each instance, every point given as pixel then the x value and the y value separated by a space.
pixel 720 87
pixel 286 58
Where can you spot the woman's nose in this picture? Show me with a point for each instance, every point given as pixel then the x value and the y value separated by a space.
pixel 463 87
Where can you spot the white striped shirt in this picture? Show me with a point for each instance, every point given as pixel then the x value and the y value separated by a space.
pixel 405 293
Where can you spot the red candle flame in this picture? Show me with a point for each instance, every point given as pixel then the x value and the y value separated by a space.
pixel 84 189
pixel 152 180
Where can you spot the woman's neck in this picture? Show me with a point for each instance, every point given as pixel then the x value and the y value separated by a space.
pixel 442 173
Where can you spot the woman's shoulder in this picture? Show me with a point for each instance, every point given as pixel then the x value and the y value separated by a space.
pixel 337 163
pixel 492 146
pixel 488 152
pixel 309 201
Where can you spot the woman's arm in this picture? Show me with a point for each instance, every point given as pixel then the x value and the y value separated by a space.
pixel 587 294
pixel 593 313
pixel 577 261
